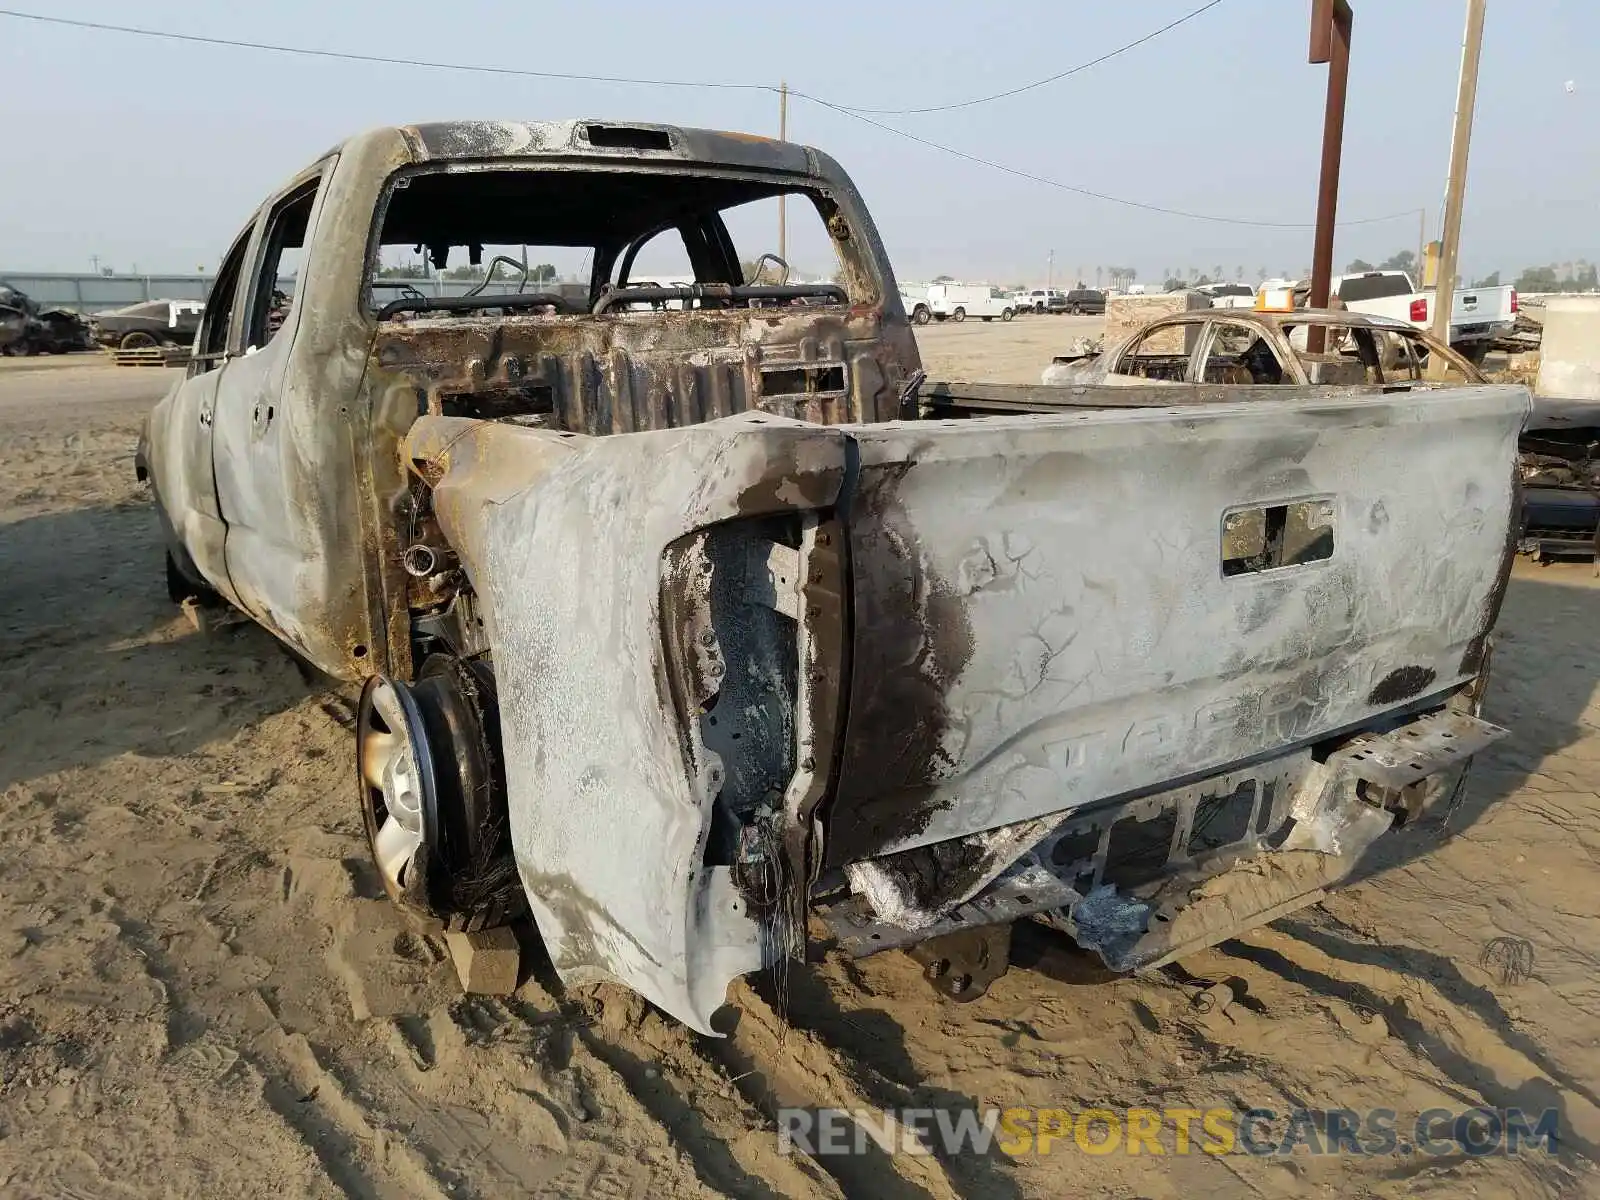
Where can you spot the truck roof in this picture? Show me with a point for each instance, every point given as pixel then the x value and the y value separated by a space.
pixel 446 141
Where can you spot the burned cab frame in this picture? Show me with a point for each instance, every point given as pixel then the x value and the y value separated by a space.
pixel 1560 468
pixel 682 616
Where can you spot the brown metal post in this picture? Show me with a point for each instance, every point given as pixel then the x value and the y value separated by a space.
pixel 1331 21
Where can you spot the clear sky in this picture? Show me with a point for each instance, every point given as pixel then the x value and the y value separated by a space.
pixel 153 153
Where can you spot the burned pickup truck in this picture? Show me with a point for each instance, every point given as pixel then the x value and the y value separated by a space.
pixel 682 628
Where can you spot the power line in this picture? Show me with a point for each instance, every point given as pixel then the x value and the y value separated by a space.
pixel 1037 83
pixel 1083 191
pixel 383 60
pixel 573 76
pixel 526 72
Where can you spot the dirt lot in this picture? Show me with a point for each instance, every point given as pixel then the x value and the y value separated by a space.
pixel 201 993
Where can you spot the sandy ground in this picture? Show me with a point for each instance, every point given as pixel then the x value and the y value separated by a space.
pixel 201 993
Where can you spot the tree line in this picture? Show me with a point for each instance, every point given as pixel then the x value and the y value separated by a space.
pixel 1580 275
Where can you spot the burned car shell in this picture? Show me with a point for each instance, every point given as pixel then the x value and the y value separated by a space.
pixel 760 644
pixel 1281 333
pixel 26 328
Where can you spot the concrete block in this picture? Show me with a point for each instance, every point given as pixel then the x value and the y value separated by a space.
pixel 1569 353
pixel 486 961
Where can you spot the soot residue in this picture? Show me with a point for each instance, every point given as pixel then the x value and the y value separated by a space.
pixel 1401 684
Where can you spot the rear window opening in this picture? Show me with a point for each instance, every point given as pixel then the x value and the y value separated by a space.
pixel 568 241
pixel 628 137
pixel 800 381
pixel 1373 287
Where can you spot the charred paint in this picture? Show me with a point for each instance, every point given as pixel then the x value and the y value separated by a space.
pixel 1401 684
pixel 912 639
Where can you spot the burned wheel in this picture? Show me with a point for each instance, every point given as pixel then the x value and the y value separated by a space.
pixel 433 795
pixel 138 340
pixel 399 806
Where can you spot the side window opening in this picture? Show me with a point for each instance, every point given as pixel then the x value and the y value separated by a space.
pixel 810 248
pixel 217 324
pixel 1339 361
pixel 1397 357
pixel 1238 354
pixel 281 264
pixel 1162 353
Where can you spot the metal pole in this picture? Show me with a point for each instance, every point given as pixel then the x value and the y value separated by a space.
pixel 1455 192
pixel 1050 274
pixel 1331 22
pixel 783 136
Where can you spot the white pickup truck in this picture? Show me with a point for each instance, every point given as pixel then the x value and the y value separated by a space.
pixel 914 299
pixel 1478 316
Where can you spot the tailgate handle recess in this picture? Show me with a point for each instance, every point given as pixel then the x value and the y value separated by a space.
pixel 1268 537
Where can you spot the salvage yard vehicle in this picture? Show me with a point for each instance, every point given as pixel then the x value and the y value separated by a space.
pixel 1478 317
pixel 1043 300
pixel 1228 295
pixel 1248 347
pixel 679 627
pixel 148 324
pixel 958 301
pixel 14 312
pixel 998 303
pixel 1085 301
pixel 1560 468
pixel 26 328
pixel 914 300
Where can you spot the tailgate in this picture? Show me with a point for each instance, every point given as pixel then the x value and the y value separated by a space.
pixel 1480 306
pixel 1054 610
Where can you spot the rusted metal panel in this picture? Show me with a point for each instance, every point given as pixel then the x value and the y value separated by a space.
pixel 629 372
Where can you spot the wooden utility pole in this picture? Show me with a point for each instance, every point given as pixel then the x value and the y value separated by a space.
pixel 1456 190
pixel 1422 246
pixel 1331 22
pixel 783 136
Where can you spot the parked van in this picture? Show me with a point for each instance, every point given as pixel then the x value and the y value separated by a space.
pixel 958 301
